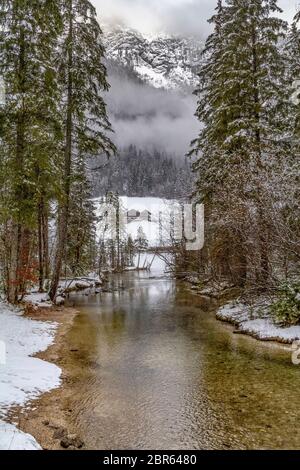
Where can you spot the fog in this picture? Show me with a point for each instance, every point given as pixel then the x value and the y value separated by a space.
pixel 139 113
pixel 178 17
pixel 148 117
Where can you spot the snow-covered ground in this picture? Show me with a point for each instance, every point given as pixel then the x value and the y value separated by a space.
pixel 12 438
pixel 23 377
pixel 156 230
pixel 42 300
pixel 158 263
pixel 257 322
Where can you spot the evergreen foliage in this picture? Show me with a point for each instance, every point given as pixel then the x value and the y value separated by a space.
pixel 244 147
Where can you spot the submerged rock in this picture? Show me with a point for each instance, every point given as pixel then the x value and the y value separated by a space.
pixel 71 440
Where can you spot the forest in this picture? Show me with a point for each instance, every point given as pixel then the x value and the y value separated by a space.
pixel 140 172
pixel 117 329
pixel 245 161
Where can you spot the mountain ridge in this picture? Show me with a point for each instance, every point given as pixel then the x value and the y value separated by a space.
pixel 167 62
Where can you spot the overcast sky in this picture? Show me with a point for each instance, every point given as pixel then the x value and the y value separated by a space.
pixel 178 17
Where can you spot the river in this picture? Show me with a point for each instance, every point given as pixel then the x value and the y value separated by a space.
pixel 158 371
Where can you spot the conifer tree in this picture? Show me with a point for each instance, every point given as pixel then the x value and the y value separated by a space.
pixel 289 186
pixel 85 122
pixel 241 104
pixel 28 34
pixel 81 244
pixel 292 51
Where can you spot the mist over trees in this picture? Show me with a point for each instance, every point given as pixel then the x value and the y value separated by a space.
pixel 150 118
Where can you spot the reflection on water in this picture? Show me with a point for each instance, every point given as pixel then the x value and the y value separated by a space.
pixel 158 371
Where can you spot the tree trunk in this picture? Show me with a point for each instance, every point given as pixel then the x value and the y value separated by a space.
pixel 12 268
pixel 24 257
pixel 40 244
pixel 62 224
pixel 45 242
pixel 15 252
pixel 263 243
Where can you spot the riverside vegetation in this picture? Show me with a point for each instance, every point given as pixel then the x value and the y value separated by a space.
pixel 245 160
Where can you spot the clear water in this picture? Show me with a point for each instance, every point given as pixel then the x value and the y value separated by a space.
pixel 156 370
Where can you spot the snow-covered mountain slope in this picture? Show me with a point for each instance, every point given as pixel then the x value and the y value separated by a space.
pixel 163 62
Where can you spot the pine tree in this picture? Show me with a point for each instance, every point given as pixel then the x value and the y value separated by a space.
pixel 83 79
pixel 28 34
pixel 292 51
pixel 289 228
pixel 81 240
pixel 241 104
pixel 140 243
pixel 130 251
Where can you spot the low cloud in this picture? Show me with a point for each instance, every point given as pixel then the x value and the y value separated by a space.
pixel 151 118
pixel 177 17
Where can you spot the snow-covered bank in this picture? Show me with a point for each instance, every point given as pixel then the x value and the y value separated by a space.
pixel 23 377
pixel 256 321
pixel 42 300
pixel 12 438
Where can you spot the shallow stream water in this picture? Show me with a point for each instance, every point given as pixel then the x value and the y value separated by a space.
pixel 158 371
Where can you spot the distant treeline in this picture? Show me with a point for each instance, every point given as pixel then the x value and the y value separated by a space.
pixel 139 173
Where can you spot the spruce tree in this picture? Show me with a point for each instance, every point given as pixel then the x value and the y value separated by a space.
pixel 241 104
pixel 289 229
pixel 81 240
pixel 28 34
pixel 292 51
pixel 85 122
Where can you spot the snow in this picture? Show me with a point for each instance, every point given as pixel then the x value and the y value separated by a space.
pixel 266 329
pixel 39 300
pixel 157 79
pixel 160 210
pixel 150 229
pixel 13 439
pixel 162 61
pixel 23 377
pixel 158 264
pixel 256 321
pixel 69 285
pixel 152 204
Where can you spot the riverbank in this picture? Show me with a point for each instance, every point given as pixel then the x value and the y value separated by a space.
pixel 253 319
pixel 256 320
pixel 48 418
pixel 35 384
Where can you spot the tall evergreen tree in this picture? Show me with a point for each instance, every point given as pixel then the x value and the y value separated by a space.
pixel 289 186
pixel 293 74
pixel 28 34
pixel 81 240
pixel 241 104
pixel 85 122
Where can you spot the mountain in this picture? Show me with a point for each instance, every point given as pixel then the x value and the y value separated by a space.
pixel 164 62
pixel 152 110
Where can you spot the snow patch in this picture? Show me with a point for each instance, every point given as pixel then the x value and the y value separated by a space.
pixel 12 438
pixel 256 321
pixel 40 300
pixel 23 377
pixel 156 230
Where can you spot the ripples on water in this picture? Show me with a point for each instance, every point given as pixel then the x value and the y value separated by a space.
pixel 156 370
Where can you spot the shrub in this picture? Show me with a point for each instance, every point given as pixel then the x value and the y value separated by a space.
pixel 286 309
